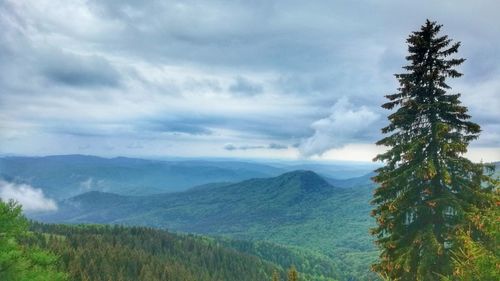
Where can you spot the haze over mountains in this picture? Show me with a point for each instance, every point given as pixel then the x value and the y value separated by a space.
pixel 309 214
pixel 297 209
pixel 65 176
pixel 313 215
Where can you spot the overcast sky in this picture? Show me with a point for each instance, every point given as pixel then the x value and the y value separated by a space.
pixel 261 79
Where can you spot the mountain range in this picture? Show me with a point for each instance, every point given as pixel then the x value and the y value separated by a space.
pixel 65 176
pixel 312 215
pixel 299 209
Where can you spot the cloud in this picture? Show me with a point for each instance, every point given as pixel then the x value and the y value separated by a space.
pixel 243 86
pixel 275 146
pixel 177 125
pixel 135 145
pixel 232 147
pixel 79 71
pixel 87 184
pixel 84 147
pixel 345 124
pixel 32 199
pixel 193 75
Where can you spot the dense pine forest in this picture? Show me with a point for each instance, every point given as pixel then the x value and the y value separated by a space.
pixel 99 252
pixel 296 214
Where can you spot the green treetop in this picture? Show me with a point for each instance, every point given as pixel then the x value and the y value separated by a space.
pixel 19 263
pixel 276 275
pixel 292 274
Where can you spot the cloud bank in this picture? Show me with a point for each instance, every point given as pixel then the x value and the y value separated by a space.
pixel 183 78
pixel 345 124
pixel 32 199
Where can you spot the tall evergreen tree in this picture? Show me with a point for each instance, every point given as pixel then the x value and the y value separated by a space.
pixel 427 189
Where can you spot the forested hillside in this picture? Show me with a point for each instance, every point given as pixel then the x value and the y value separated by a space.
pixel 98 252
pixel 298 209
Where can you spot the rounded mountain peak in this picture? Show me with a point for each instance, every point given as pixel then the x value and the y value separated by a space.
pixel 306 180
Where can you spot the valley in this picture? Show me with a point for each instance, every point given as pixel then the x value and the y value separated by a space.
pixel 317 223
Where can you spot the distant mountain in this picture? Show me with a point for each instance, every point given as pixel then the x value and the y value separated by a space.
pixel 352 182
pixel 247 200
pixel 205 209
pixel 299 209
pixel 66 176
pixel 345 170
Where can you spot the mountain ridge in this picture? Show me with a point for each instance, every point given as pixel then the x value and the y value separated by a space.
pixel 65 176
pixel 288 189
pixel 298 209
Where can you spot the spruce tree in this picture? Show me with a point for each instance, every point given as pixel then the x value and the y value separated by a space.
pixel 427 188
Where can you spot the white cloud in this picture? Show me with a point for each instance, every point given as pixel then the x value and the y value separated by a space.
pixel 344 125
pixel 87 184
pixel 32 199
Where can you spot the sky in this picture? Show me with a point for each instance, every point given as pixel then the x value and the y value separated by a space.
pixel 242 79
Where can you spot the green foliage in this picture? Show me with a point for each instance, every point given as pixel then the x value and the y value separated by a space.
pixel 322 229
pixel 276 276
pixel 100 252
pixel 478 259
pixel 293 275
pixel 313 265
pixel 19 263
pixel 428 190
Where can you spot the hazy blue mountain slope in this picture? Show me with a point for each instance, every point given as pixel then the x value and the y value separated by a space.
pixel 351 182
pixel 232 205
pixel 297 208
pixel 66 176
pixel 336 170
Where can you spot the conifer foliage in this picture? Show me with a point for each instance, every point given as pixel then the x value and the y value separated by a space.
pixel 276 275
pixel 427 189
pixel 293 275
pixel 18 262
pixel 103 252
